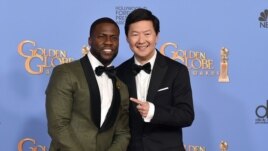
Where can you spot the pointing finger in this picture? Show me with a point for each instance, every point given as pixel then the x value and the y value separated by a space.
pixel 135 100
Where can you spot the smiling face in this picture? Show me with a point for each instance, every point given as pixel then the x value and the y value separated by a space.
pixel 142 40
pixel 104 42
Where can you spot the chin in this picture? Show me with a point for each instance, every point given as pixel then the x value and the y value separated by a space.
pixel 142 55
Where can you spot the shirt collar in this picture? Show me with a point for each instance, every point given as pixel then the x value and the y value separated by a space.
pixel 152 60
pixel 94 61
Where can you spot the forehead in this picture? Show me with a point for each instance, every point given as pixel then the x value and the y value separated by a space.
pixel 106 28
pixel 140 26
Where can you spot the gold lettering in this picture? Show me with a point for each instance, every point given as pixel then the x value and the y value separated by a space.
pixel 38 52
pixel 202 55
pixel 21 143
pixel 196 148
pixel 63 54
pixel 30 69
pixel 21 46
pixel 41 57
pixel 195 72
pixel 202 148
pixel 176 56
pixel 163 47
pixel 35 148
pixel 54 61
pixel 196 64
pixel 196 61
pixel 193 54
pixel 206 64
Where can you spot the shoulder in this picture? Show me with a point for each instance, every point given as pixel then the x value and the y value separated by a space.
pixel 124 65
pixel 124 68
pixel 123 71
pixel 68 68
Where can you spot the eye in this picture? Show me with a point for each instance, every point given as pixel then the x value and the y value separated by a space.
pixel 147 34
pixel 134 34
pixel 100 37
pixel 115 38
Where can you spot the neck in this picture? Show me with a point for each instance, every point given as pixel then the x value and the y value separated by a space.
pixel 144 60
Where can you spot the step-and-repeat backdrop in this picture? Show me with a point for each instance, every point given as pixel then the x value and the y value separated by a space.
pixel 223 43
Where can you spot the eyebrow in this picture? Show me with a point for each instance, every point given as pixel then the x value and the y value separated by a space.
pixel 149 30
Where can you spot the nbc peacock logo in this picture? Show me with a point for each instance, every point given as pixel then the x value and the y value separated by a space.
pixel 263 19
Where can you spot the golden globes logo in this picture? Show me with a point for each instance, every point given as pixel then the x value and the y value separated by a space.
pixel 39 60
pixel 196 61
pixel 33 146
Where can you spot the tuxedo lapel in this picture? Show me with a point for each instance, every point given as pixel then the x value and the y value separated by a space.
pixel 158 73
pixel 93 91
pixel 95 98
pixel 131 80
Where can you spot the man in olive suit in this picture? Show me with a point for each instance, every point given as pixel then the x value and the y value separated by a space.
pixel 86 104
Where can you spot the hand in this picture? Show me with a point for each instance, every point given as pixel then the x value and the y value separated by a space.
pixel 143 107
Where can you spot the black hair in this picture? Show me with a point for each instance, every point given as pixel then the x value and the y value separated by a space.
pixel 100 21
pixel 139 15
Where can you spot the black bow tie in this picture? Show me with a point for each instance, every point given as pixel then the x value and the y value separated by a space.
pixel 110 71
pixel 137 68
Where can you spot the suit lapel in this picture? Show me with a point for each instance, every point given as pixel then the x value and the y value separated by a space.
pixel 93 91
pixel 131 80
pixel 158 73
pixel 95 98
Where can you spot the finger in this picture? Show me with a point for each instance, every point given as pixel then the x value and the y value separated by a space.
pixel 144 114
pixel 135 100
pixel 139 107
pixel 141 111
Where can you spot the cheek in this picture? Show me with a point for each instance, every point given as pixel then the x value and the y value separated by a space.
pixel 153 40
pixel 131 42
pixel 116 43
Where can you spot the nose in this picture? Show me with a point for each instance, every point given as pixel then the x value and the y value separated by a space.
pixel 108 40
pixel 141 39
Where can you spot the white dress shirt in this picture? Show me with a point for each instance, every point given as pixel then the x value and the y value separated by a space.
pixel 142 83
pixel 105 85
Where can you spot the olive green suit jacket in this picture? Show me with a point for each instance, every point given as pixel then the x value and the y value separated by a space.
pixel 69 112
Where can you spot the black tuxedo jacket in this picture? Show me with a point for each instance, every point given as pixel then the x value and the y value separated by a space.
pixel 170 91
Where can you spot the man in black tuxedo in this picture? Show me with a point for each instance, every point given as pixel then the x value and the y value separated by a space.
pixel 160 90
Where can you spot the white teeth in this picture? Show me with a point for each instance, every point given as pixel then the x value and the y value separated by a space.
pixel 107 50
pixel 142 47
